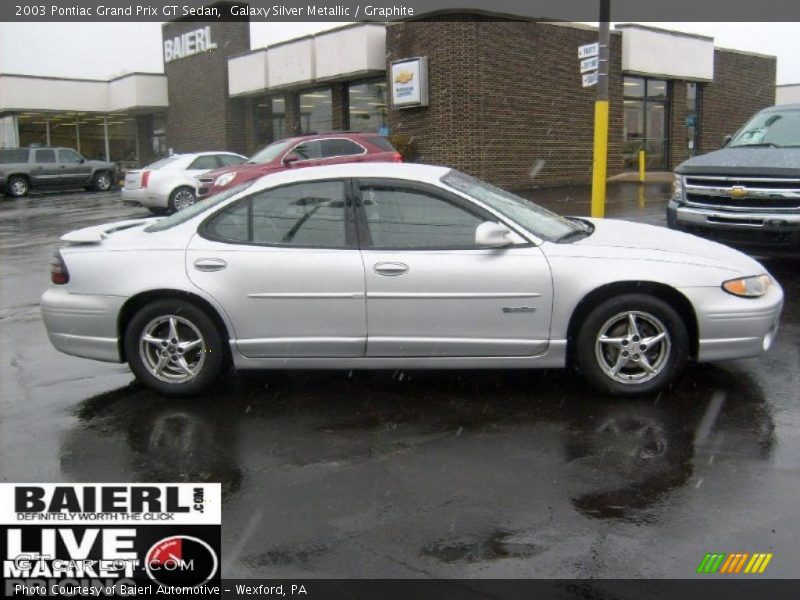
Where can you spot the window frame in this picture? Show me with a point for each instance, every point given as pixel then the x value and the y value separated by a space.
pixel 350 232
pixel 437 192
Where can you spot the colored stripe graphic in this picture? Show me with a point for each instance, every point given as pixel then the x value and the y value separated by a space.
pixel 711 562
pixel 759 562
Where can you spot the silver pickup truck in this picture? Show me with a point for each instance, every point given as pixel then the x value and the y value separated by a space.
pixel 748 193
pixel 23 169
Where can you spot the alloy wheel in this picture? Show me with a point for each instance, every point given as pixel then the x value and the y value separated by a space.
pixel 183 199
pixel 172 349
pixel 633 347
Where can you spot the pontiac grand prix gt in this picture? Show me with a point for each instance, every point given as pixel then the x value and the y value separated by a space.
pixel 400 266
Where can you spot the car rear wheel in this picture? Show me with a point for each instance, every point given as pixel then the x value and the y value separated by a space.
pixel 631 345
pixel 102 182
pixel 173 347
pixel 17 186
pixel 181 198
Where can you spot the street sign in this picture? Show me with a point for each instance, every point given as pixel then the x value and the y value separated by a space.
pixel 589 64
pixel 589 79
pixel 589 50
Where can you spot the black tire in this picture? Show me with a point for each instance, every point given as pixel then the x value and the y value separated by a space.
pixel 17 186
pixel 629 354
pixel 179 197
pixel 207 358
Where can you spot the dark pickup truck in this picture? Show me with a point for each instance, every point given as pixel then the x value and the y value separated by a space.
pixel 23 169
pixel 748 193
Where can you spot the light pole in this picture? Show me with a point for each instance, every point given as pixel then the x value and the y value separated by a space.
pixel 600 160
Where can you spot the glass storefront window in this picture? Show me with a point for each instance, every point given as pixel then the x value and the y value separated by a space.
pixel 656 88
pixel 270 119
pixel 316 111
pixel 634 87
pixel 367 101
pixel 693 118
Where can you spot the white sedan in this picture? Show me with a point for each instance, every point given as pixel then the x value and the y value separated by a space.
pixel 168 185
pixel 401 266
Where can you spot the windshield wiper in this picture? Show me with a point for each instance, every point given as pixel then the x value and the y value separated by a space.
pixel 759 145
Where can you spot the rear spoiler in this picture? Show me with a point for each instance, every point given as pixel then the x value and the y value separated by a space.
pixel 97 233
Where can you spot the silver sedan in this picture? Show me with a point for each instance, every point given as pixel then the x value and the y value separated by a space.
pixel 400 266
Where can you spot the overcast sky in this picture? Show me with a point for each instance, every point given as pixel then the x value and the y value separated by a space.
pixel 104 50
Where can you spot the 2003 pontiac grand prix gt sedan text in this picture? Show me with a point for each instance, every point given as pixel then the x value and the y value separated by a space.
pixel 400 266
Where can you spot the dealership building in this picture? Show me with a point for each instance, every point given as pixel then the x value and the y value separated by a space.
pixel 499 97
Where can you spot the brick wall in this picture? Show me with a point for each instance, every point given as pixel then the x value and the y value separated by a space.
pixel 506 102
pixel 743 84
pixel 200 115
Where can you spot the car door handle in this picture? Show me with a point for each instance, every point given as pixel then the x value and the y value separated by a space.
pixel 210 264
pixel 390 268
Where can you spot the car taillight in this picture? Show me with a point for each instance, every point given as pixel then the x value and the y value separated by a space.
pixel 397 157
pixel 58 269
pixel 145 178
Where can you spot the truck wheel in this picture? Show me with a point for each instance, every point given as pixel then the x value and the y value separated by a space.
pixel 173 347
pixel 102 182
pixel 631 345
pixel 17 186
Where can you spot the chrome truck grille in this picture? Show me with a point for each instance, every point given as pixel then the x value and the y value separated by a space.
pixel 746 194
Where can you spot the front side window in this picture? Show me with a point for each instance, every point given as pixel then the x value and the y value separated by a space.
pixel 308 150
pixel 539 221
pixel 45 156
pixel 405 218
pixel 304 214
pixel 69 156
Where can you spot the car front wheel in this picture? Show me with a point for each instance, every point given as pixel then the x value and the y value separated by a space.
pixel 17 187
pixel 631 345
pixel 173 347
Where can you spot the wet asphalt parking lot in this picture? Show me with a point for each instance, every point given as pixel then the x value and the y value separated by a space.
pixel 419 474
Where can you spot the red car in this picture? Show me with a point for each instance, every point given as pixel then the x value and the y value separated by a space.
pixel 301 151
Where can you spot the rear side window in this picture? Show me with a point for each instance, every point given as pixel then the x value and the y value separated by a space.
pixel 340 147
pixel 45 156
pixel 13 155
pixel 163 162
pixel 203 163
pixel 305 214
pixel 381 143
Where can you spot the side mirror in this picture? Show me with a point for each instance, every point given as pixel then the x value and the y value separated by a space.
pixel 291 158
pixel 726 140
pixel 493 235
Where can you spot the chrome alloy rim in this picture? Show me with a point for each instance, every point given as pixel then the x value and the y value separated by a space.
pixel 633 347
pixel 183 199
pixel 172 349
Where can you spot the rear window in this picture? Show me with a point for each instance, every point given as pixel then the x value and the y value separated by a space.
pixel 163 162
pixel 14 155
pixel 381 143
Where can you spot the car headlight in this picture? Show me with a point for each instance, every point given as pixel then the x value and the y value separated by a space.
pixel 677 187
pixel 224 180
pixel 748 287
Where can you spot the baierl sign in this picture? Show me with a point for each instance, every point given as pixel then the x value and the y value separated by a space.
pixel 188 44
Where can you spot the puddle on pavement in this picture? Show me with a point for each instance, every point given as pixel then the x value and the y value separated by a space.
pixel 499 544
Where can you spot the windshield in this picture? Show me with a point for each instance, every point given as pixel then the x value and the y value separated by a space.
pixel 199 207
pixel 269 153
pixel 773 129
pixel 539 221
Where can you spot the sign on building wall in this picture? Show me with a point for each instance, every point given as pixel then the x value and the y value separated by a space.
pixel 188 44
pixel 409 82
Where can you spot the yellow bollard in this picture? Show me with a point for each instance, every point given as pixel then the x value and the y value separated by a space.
pixel 641 166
